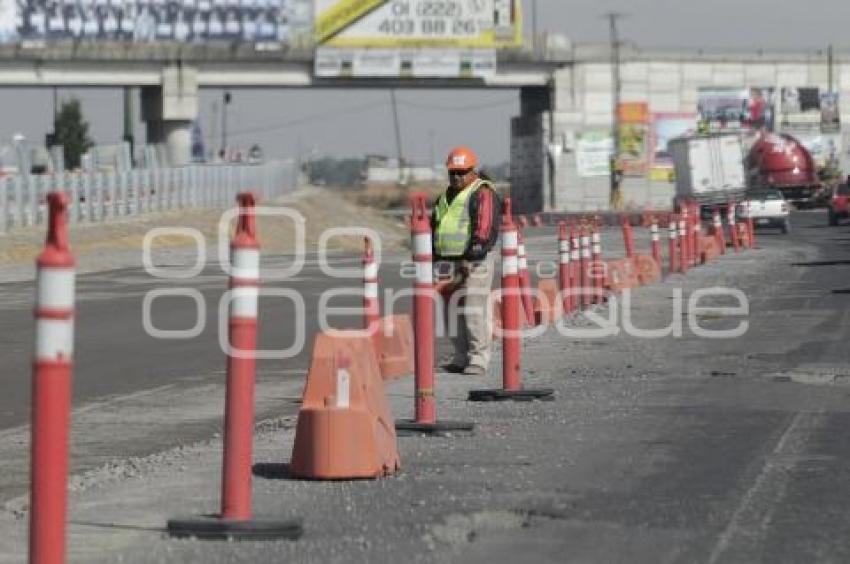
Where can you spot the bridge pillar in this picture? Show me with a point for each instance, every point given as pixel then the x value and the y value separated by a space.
pixel 169 110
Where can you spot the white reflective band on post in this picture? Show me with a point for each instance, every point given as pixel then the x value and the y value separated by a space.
pixel 55 288
pixel 574 254
pixel 510 265
pixel 565 258
pixel 597 238
pixel 370 270
pixel 653 228
pixel 422 244
pixel 370 290
pixel 246 264
pixel 244 302
pixel 672 232
pixel 54 339
pixel 424 272
pixel 523 263
pixel 597 248
pixel 521 250
pixel 585 252
pixel 564 246
pixel 654 236
pixel 343 388
pixel 585 241
pixel 510 240
pixel 575 243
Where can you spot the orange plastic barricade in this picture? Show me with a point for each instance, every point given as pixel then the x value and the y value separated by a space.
pixel 547 305
pixel 710 248
pixel 648 271
pixel 395 343
pixel 345 428
pixel 622 275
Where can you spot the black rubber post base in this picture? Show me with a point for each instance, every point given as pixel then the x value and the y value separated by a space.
pixel 543 394
pixel 214 528
pixel 408 427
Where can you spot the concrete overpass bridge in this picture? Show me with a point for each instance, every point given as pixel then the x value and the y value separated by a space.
pixel 563 92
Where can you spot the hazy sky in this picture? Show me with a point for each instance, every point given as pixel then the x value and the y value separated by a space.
pixel 356 122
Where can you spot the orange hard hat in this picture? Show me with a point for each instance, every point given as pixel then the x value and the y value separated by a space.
pixel 461 158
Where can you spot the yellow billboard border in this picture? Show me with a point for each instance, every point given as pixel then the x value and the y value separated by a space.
pixel 341 15
pixel 486 40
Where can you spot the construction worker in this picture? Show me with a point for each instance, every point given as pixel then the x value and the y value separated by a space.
pixel 465 224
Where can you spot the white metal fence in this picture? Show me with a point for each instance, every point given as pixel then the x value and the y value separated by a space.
pixel 103 196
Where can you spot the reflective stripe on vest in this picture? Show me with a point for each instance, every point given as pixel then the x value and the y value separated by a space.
pixel 454 225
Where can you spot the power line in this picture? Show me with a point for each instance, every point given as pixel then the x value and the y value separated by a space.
pixel 307 119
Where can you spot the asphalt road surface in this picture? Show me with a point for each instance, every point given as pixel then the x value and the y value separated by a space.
pixel 656 450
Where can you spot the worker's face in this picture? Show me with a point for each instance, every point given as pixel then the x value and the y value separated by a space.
pixel 460 178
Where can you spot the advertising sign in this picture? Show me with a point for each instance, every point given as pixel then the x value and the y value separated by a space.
pixel 830 118
pixel 404 63
pixel 463 24
pixel 667 126
pixel 634 138
pixel 737 108
pixel 156 20
pixel 593 152
pixel 801 107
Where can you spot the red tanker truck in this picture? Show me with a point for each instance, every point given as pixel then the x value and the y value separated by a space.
pixel 780 161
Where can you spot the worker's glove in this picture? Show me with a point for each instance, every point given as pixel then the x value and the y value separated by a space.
pixel 476 251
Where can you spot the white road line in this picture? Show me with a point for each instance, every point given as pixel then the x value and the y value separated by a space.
pixel 746 517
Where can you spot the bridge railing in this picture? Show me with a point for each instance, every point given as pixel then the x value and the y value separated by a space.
pixel 106 196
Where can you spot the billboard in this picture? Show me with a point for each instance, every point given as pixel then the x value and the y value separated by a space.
pixel 737 108
pixel 667 126
pixel 192 21
pixel 634 138
pixel 461 24
pixel 593 152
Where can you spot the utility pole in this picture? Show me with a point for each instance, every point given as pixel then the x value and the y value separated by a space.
pixel 616 196
pixel 829 62
pixel 226 98
pixel 399 152
pixel 534 26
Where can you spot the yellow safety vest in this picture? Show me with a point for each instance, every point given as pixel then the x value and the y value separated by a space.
pixel 454 225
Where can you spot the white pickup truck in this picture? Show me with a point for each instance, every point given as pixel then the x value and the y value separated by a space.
pixel 768 208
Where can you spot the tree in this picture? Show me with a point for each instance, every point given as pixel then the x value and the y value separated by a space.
pixel 72 132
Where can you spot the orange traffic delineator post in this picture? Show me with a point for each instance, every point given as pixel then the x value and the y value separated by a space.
pixel 511 336
pixel 525 281
pixel 751 227
pixel 672 230
pixel 733 226
pixel 584 285
pixel 628 236
pixel 235 520
pixel 655 241
pixel 394 342
pixel 51 389
pixel 683 241
pixel 597 266
pixel 345 426
pixel 371 303
pixel 575 268
pixel 718 231
pixel 564 274
pixel 696 236
pixel 425 406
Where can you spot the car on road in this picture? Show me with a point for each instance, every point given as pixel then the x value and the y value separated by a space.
pixel 838 206
pixel 768 208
